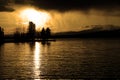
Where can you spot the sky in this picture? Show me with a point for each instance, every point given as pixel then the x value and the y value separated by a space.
pixel 64 15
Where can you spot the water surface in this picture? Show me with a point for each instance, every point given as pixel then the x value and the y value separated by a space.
pixel 65 58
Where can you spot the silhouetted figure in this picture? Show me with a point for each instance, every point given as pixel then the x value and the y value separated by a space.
pixel 48 33
pixel 31 30
pixel 43 33
pixel 1 35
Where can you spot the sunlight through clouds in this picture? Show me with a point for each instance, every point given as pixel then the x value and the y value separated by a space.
pixel 37 17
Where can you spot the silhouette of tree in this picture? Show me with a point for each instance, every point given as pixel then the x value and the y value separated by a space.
pixel 48 33
pixel 1 34
pixel 43 33
pixel 31 30
pixel 17 35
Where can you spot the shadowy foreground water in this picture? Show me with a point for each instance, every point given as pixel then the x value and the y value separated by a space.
pixel 63 59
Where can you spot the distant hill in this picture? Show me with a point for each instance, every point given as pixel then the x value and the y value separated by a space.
pixel 90 33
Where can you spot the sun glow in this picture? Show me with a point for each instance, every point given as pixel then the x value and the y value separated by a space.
pixel 38 17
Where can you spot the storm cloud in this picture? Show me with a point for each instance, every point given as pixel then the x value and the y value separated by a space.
pixel 66 15
pixel 65 5
pixel 77 4
pixel 6 9
pixel 5 6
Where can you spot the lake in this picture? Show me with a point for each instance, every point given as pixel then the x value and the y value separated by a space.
pixel 62 59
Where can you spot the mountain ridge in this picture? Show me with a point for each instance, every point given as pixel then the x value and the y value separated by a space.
pixel 90 33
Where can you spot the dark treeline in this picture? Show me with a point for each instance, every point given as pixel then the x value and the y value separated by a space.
pixel 90 33
pixel 1 35
pixel 30 35
pixel 45 34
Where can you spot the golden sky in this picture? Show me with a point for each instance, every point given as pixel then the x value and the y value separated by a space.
pixel 59 18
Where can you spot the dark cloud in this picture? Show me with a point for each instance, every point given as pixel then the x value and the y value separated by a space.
pixel 4 6
pixel 7 5
pixel 108 7
pixel 65 5
pixel 6 9
pixel 23 2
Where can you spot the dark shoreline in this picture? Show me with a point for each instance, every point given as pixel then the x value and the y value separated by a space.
pixel 22 41
pixel 55 39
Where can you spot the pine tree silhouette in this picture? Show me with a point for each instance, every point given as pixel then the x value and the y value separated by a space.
pixel 43 34
pixel 1 34
pixel 31 30
pixel 48 33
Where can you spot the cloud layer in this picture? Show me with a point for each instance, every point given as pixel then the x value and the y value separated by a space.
pixel 65 5
pixel 5 7
pixel 77 4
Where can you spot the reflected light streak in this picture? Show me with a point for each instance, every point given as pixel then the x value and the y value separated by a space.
pixel 37 60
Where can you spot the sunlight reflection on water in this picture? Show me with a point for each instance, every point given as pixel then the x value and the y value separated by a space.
pixel 81 58
pixel 37 62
